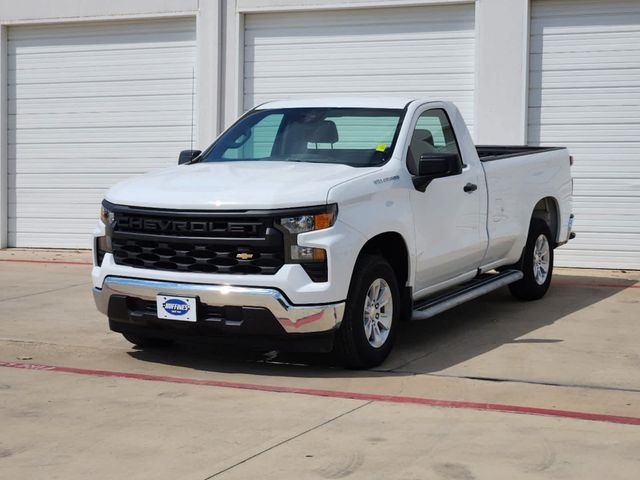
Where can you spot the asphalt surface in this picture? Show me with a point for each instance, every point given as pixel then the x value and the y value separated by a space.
pixel 495 388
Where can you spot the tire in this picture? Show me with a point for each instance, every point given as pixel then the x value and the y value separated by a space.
pixel 535 264
pixel 147 342
pixel 364 340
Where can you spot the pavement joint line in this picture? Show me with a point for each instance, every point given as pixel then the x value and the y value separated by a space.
pixel 552 412
pixel 45 291
pixel 287 440
pixel 515 380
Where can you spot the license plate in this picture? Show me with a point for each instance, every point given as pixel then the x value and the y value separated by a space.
pixel 176 308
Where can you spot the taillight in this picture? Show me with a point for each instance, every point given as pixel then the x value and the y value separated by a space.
pixel 571 160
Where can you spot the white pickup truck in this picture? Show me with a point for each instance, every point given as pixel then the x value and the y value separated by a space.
pixel 321 224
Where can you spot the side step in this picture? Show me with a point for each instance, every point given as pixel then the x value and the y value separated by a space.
pixel 474 289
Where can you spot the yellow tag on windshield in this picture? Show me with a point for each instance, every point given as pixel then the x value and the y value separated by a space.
pixel 381 147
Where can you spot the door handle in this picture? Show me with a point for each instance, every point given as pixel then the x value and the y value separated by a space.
pixel 470 187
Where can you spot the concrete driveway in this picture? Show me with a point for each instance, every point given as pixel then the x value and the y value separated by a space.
pixel 493 389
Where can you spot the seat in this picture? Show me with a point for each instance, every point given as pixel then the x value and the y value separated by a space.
pixel 421 143
pixel 325 132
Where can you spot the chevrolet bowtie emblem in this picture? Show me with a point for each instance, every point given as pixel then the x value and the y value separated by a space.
pixel 244 256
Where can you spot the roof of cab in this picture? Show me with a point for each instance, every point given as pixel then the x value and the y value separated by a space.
pixel 340 102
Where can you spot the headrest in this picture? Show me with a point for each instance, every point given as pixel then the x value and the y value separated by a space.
pixel 422 135
pixel 325 132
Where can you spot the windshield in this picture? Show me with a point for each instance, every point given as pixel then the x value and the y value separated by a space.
pixel 359 137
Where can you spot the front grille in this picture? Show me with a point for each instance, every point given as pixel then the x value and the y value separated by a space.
pixel 197 243
pixel 195 257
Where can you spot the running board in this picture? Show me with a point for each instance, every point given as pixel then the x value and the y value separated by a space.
pixel 474 289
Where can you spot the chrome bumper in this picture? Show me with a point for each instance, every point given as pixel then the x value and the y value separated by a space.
pixel 294 319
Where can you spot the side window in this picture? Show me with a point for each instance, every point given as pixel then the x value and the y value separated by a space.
pixel 433 134
pixel 259 143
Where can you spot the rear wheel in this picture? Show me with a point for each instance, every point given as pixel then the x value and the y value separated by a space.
pixel 368 327
pixel 147 342
pixel 536 263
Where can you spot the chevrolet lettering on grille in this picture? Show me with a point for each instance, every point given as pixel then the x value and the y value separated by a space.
pixel 161 225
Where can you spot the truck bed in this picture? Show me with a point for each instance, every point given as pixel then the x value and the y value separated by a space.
pixel 489 153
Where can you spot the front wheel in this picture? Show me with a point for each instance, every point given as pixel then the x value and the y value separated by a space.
pixel 368 327
pixel 536 263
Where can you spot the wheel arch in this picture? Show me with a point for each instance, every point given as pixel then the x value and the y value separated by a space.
pixel 393 248
pixel 547 210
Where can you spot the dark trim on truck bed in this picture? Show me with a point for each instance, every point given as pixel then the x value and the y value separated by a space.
pixel 488 153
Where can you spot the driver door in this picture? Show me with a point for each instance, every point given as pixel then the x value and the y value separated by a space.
pixel 449 215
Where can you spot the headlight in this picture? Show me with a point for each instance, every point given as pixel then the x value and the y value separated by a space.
pixel 106 216
pixel 309 223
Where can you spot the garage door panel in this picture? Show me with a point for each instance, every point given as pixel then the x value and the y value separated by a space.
pixel 608 187
pixel 581 96
pixel 551 8
pixel 124 104
pixel 124 35
pixel 50 240
pixel 134 150
pixel 439 81
pixel 56 211
pixel 383 18
pixel 417 51
pixel 124 118
pixel 604 114
pixel 129 166
pixel 625 77
pixel 67 181
pixel 172 83
pixel 68 225
pixel 33 199
pixel 595 259
pixel 359 66
pixel 106 58
pixel 89 105
pixel 414 50
pixel 75 135
pixel 579 61
pixel 595 169
pixel 586 133
pixel 365 35
pixel 109 73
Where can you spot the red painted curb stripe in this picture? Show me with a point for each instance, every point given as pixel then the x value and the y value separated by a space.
pixel 598 417
pixel 61 262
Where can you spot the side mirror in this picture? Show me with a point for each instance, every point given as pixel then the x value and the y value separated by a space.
pixel 433 165
pixel 438 164
pixel 187 155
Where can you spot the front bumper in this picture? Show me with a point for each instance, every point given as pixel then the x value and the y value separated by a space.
pixel 240 310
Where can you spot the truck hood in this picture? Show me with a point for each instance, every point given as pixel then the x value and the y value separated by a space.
pixel 234 185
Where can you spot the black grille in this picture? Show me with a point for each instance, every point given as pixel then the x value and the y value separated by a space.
pixel 197 243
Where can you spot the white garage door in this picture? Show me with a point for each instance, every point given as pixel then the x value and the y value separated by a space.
pixel 585 93
pixel 89 105
pixel 424 51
